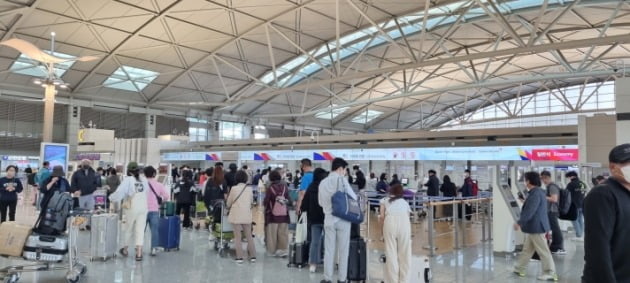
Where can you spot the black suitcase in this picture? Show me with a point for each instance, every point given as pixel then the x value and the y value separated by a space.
pixel 298 254
pixel 357 260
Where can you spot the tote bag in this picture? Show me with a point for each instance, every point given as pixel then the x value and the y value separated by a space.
pixel 345 207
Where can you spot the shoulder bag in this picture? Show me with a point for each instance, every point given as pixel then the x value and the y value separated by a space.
pixel 345 207
pixel 159 199
pixel 236 199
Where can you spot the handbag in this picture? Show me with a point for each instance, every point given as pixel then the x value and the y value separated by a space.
pixel 345 207
pixel 126 203
pixel 159 199
pixel 301 229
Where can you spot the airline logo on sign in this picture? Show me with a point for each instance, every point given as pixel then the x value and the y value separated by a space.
pixel 212 157
pixel 571 154
pixel 262 156
pixel 323 156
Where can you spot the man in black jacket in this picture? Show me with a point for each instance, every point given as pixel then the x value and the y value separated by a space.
pixel 230 177
pixel 577 188
pixel 607 213
pixel 433 185
pixel 83 184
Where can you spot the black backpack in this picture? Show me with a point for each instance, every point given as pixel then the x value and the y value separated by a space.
pixel 564 201
pixel 56 209
pixel 211 193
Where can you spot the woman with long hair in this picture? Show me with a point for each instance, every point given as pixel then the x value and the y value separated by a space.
pixel 214 194
pixel 133 192
pixel 315 215
pixel 240 203
pixel 394 219
pixel 448 189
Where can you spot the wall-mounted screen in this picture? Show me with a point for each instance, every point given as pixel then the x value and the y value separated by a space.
pixel 56 154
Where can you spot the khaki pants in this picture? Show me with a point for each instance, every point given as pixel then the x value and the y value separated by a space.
pixel 397 235
pixel 239 229
pixel 277 238
pixel 536 243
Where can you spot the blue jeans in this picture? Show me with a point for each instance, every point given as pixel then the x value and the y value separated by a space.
pixel 578 224
pixel 153 219
pixel 315 251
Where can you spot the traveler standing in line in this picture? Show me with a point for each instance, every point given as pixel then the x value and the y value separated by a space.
pixel 371 183
pixel 395 180
pixel 578 191
pixel 534 222
pixel 214 194
pixel 553 197
pixel 467 191
pixel 42 175
pixel 394 218
pixel 84 182
pixel 230 177
pixel 359 178
pixel 382 186
pixel 433 185
pixel 133 192
pixel 57 182
pixel 315 218
pixel 307 179
pixel 239 203
pixel 449 190
pixel 153 215
pixel 336 230
pixel 277 216
pixel 607 214
pixel 184 192
pixel 174 173
pixel 10 187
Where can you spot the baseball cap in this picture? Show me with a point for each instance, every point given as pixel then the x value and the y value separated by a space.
pixel 132 165
pixel 620 154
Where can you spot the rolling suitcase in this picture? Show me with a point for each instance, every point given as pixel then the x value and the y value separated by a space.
pixel 104 236
pixel 45 248
pixel 357 260
pixel 298 254
pixel 420 270
pixel 169 231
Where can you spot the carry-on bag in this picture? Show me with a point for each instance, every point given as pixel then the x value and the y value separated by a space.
pixel 357 260
pixel 298 254
pixel 104 236
pixel 167 209
pixel 45 248
pixel 100 198
pixel 169 232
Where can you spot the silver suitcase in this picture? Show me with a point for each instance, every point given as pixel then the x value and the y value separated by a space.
pixel 45 248
pixel 104 236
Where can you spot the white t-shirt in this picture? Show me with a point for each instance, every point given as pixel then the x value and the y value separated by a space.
pixel 397 206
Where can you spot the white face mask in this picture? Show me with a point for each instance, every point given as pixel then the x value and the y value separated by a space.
pixel 626 172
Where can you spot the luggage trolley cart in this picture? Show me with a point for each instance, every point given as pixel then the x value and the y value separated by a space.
pixel 75 268
pixel 222 230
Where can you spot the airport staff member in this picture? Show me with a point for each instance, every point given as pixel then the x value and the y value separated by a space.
pixel 607 214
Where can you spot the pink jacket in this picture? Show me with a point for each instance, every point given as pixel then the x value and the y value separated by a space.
pixel 152 199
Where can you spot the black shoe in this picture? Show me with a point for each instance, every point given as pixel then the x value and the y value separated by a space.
pixel 88 227
pixel 325 281
pixel 341 281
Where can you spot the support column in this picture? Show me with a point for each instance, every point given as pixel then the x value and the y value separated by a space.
pixel 622 102
pixel 49 113
pixel 72 128
pixel 149 129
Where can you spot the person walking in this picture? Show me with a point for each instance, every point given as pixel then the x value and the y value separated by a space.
pixel 156 191
pixel 277 216
pixel 534 222
pixel 239 203
pixel 184 192
pixel 607 214
pixel 133 193
pixel 315 218
pixel 10 187
pixel 553 197
pixel 394 218
pixel 336 230
pixel 577 188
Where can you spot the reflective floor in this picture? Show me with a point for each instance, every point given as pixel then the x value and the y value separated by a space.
pixel 198 262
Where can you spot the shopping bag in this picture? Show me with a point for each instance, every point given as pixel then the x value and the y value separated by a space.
pixel 301 230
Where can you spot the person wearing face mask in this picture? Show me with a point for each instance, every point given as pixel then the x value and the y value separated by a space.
pixel 10 186
pixel 382 186
pixel 467 191
pixel 83 184
pixel 577 188
pixel 607 214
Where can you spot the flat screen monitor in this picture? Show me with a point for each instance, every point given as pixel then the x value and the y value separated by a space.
pixel 404 181
pixel 56 154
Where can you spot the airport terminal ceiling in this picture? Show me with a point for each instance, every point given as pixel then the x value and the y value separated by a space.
pixel 343 64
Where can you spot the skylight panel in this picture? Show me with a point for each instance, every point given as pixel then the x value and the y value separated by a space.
pixel 331 114
pixel 366 116
pixel 24 65
pixel 130 78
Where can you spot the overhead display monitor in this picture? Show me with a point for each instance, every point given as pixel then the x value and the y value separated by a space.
pixel 55 154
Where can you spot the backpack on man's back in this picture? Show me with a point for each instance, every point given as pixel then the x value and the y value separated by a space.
pixel 566 207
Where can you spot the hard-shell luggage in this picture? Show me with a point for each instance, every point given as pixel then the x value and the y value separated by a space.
pixel 45 248
pixel 169 232
pixel 298 254
pixel 420 270
pixel 104 236
pixel 357 260
pixel 167 209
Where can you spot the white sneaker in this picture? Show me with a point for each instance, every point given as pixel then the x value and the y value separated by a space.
pixel 313 268
pixel 578 239
pixel 211 238
pixel 548 277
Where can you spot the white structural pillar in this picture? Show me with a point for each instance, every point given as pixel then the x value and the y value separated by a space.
pixel 622 101
pixel 49 113
pixel 72 128
pixel 150 131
